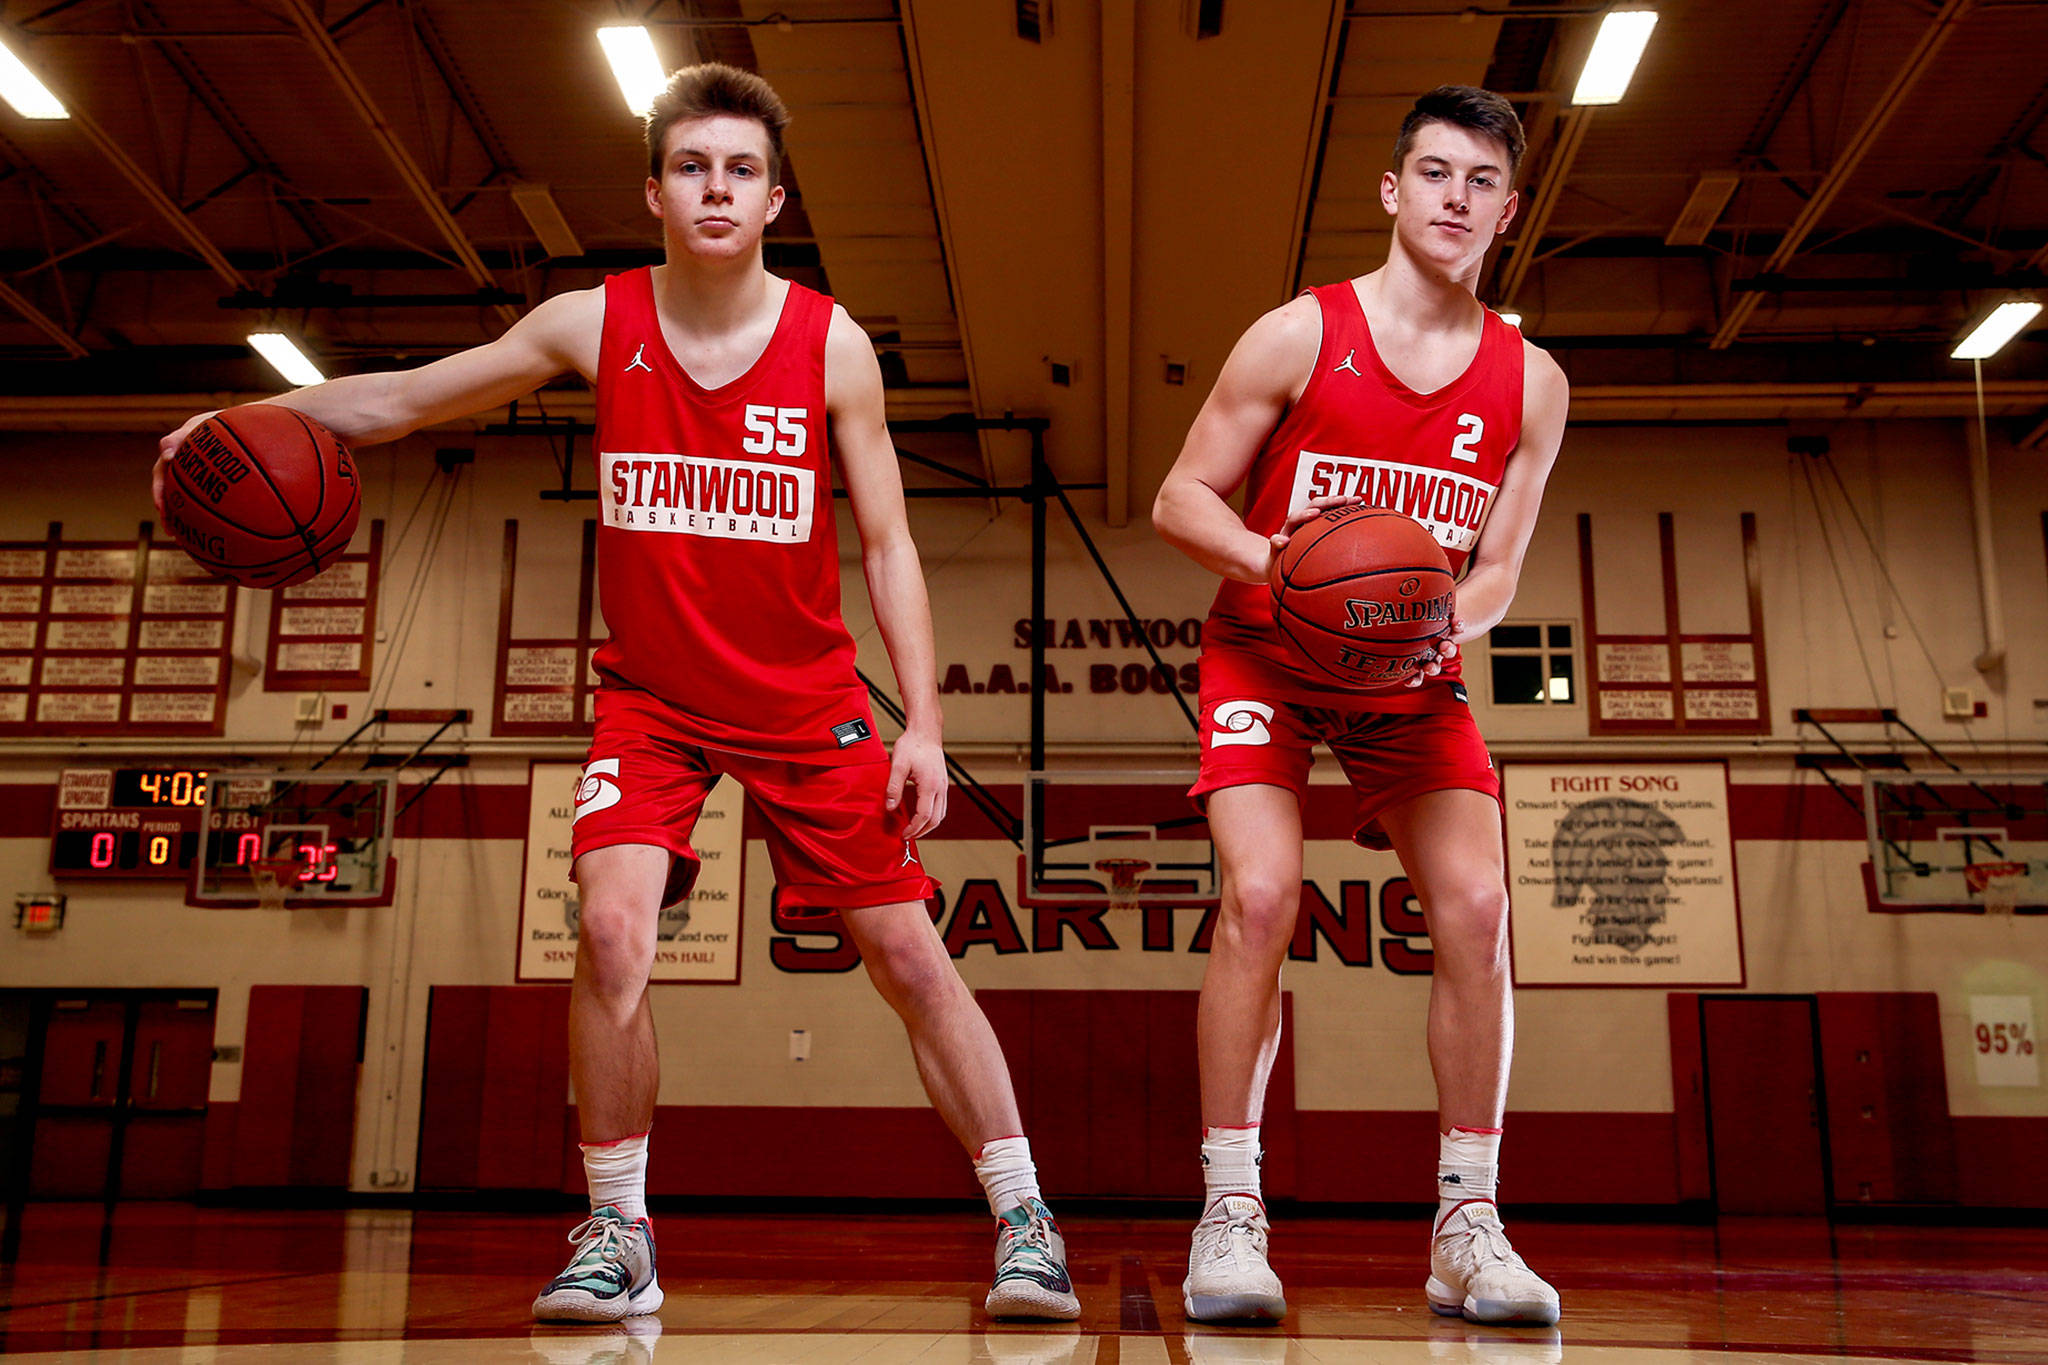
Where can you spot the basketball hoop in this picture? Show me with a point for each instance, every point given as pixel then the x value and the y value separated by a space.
pixel 1997 885
pixel 1125 876
pixel 274 879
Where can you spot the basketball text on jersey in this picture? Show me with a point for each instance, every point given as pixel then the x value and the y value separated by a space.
pixel 698 495
pixel 1451 506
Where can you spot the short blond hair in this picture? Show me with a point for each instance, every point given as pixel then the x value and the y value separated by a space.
pixel 711 88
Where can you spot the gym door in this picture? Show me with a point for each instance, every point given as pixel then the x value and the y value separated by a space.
pixel 1764 1106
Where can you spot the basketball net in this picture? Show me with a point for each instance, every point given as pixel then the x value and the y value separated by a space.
pixel 1125 877
pixel 274 878
pixel 1996 884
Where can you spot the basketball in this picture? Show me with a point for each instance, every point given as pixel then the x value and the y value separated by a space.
pixel 263 495
pixel 1363 595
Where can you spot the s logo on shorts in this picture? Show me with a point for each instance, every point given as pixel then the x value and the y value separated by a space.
pixel 598 789
pixel 1240 722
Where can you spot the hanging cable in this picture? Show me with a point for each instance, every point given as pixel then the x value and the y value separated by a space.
pixel 1841 583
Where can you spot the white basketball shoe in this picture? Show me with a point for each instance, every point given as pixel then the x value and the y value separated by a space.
pixel 1475 1274
pixel 1228 1277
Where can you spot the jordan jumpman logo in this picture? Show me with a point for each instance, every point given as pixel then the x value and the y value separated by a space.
pixel 1345 364
pixel 636 361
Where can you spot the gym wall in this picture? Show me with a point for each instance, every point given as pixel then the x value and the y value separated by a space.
pixel 1845 625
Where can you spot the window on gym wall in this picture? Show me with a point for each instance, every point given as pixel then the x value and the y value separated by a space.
pixel 1532 663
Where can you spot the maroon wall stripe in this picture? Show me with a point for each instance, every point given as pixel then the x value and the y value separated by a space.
pixel 498 810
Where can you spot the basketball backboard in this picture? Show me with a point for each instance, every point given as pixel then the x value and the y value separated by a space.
pixel 1115 839
pixel 296 839
pixel 1952 840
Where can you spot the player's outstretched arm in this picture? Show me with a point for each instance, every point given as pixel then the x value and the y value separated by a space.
pixel 1488 587
pixel 367 409
pixel 874 486
pixel 1265 373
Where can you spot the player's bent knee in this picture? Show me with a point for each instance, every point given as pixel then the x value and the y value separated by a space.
pixel 1261 912
pixel 911 975
pixel 1470 922
pixel 616 938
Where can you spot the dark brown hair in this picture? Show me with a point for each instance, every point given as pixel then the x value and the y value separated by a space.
pixel 1468 107
pixel 710 88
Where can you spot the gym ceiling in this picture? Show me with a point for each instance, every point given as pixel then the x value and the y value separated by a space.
pixel 1793 213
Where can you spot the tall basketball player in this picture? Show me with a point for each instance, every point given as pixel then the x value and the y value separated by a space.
pixel 1368 390
pixel 721 392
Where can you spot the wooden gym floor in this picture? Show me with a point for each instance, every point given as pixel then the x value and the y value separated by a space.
pixel 172 1283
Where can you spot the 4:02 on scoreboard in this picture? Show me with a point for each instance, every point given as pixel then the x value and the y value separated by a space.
pixel 127 822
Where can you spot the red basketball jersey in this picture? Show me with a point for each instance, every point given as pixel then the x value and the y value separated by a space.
pixel 1356 429
pixel 718 560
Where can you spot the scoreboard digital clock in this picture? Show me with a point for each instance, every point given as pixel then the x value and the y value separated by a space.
pixel 127 822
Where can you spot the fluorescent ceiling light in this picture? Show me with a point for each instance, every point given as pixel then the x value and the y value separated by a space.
pixel 287 359
pixel 1623 35
pixel 630 50
pixel 2007 321
pixel 544 216
pixel 1511 317
pixel 20 88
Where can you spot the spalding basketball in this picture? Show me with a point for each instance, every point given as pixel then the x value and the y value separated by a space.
pixel 1363 595
pixel 263 495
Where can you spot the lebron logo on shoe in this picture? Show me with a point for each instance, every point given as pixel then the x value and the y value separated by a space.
pixel 1345 365
pixel 636 363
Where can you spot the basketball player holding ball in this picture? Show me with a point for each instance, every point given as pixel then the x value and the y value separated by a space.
pixel 1397 389
pixel 722 391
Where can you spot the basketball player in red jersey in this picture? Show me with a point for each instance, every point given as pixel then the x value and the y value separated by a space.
pixel 1397 389
pixel 721 392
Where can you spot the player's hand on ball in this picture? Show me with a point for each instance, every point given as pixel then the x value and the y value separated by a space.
pixel 919 762
pixel 166 450
pixel 1446 650
pixel 1304 515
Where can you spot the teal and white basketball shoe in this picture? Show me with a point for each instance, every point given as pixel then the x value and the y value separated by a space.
pixel 610 1277
pixel 1031 1267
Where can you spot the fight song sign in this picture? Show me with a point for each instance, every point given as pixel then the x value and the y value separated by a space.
pixel 1622 875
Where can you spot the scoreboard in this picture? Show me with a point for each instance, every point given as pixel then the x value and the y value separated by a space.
pixel 327 834
pixel 127 822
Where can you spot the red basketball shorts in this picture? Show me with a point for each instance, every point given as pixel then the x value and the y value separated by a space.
pixel 1390 757
pixel 831 839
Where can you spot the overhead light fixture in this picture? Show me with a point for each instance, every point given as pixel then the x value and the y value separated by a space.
pixel 20 88
pixel 630 50
pixel 1988 337
pixel 1619 45
pixel 1703 208
pixel 286 358
pixel 544 216
pixel 1511 317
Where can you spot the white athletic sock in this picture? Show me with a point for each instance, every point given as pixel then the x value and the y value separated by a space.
pixel 1008 1178
pixel 1230 1163
pixel 1467 1167
pixel 617 1174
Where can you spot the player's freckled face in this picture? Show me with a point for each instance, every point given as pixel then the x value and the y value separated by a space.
pixel 716 194
pixel 1451 198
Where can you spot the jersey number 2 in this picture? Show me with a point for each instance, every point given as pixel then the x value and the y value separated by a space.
pixel 1473 428
pixel 777 429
